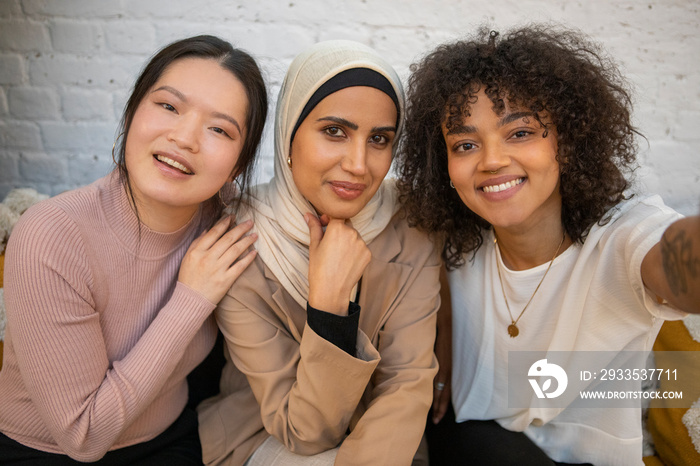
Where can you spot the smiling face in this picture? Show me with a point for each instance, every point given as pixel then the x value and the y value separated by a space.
pixel 342 150
pixel 502 167
pixel 185 137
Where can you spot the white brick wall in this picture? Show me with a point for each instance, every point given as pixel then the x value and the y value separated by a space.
pixel 66 67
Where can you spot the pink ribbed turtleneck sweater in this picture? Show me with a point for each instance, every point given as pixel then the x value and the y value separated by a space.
pixel 100 334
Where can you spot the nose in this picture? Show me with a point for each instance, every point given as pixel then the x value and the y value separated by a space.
pixel 185 133
pixel 494 157
pixel 355 159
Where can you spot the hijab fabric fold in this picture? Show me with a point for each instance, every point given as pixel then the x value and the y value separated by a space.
pixel 277 207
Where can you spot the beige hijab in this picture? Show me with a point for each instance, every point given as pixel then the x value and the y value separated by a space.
pixel 278 207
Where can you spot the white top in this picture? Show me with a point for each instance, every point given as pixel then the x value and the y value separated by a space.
pixel 592 299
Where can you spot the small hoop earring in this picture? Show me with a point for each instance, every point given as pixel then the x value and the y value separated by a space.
pixel 114 146
pixel 452 185
pixel 289 161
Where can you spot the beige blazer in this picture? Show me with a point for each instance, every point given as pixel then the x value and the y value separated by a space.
pixel 311 395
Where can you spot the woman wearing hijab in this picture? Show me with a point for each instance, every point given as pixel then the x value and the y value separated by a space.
pixel 330 331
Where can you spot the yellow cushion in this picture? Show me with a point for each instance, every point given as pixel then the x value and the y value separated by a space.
pixel 671 439
pixel 652 461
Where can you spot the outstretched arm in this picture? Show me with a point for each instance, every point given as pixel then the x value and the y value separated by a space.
pixel 671 269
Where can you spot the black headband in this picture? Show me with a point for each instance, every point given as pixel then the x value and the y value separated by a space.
pixel 348 78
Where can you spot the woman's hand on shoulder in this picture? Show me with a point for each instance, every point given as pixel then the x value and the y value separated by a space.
pixel 217 258
pixel 337 259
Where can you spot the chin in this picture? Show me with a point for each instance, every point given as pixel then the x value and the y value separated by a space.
pixel 501 221
pixel 342 213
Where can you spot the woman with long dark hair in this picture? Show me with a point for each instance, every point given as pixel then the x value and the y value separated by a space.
pixel 109 288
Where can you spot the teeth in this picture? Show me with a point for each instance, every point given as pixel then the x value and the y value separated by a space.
pixel 174 164
pixel 502 186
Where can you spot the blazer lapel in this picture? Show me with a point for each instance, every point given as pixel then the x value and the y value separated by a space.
pixel 383 282
pixel 288 310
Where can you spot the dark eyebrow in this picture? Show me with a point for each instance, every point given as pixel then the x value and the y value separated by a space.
pixel 182 97
pixel 461 129
pixel 509 118
pixel 354 127
pixel 340 121
pixel 172 90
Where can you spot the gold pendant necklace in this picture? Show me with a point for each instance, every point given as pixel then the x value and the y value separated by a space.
pixel 513 329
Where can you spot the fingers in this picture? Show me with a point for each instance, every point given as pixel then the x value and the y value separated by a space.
pixel 441 399
pixel 338 257
pixel 315 230
pixel 338 225
pixel 237 249
pixel 438 389
pixel 440 407
pixel 223 244
pixel 240 265
pixel 208 238
pixel 217 258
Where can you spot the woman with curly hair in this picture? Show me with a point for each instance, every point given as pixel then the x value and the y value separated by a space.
pixel 517 155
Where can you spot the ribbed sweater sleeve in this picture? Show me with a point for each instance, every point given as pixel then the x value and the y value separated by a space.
pixel 62 343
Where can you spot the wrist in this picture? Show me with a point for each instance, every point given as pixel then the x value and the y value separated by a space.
pixel 335 303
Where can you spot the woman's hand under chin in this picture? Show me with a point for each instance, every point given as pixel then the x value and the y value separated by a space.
pixel 337 259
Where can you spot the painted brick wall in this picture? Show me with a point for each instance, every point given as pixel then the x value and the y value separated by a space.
pixel 66 67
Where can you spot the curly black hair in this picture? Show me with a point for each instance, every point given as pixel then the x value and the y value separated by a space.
pixel 542 68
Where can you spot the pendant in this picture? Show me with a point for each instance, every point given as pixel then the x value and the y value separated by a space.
pixel 513 330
